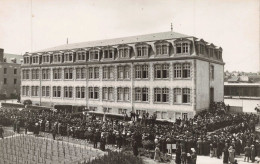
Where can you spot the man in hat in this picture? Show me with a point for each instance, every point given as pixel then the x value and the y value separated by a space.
pixel 1 132
pixel 247 153
pixel 253 153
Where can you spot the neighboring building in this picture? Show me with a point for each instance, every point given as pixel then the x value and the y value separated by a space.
pixel 242 90
pixel 172 74
pixel 10 79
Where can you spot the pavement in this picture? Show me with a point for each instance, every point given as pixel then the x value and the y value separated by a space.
pixel 203 160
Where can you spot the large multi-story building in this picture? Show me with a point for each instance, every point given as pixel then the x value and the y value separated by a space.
pixel 172 74
pixel 10 79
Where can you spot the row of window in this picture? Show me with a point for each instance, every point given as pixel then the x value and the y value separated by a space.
pixel 14 72
pixel 108 53
pixel 7 81
pixel 161 71
pixel 161 95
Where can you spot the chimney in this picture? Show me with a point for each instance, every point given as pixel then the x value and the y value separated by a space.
pixel 1 55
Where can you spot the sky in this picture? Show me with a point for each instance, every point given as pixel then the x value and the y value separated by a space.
pixel 230 24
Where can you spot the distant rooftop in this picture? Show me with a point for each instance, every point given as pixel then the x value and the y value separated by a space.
pixel 241 84
pixel 117 41
pixel 9 58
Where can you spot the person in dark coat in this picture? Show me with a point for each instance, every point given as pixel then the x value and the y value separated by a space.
pixel 36 129
pixel 135 148
pixel 225 156
pixel 14 125
pixel 253 153
pixel 200 147
pixel 18 126
pixel 247 151
pixel 119 140
pixel 193 156
pixel 103 143
pixel 25 127
pixel 54 132
pixel 95 139
pixel 178 155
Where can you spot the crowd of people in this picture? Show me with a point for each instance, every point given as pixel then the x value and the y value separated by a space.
pixel 214 132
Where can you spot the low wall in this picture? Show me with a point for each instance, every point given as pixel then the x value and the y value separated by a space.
pixel 236 109
pixel 11 105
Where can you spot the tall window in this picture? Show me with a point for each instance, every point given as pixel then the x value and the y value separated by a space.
pixel 57 58
pixel 93 92
pixel 57 91
pixel 68 92
pixel 24 90
pixel 161 71
pixel 81 56
pixel 27 74
pixel 108 54
pixel 35 91
pixel 186 70
pixel 27 91
pixel 35 59
pixel 161 95
pixel 185 48
pixel 110 93
pixel 120 94
pixel 141 94
pixel 182 48
pixel 68 57
pixel 138 94
pixel 212 72
pixel 45 73
pixel 177 70
pixel 45 91
pixel 94 55
pixel 126 94
pixel 124 52
pixel 46 58
pixel 5 70
pixel 141 71
pixel 35 74
pixel 57 73
pixel 177 95
pixel 162 49
pixel 80 92
pixel 186 95
pixel 108 72
pixel 68 73
pixel 123 72
pixel 80 73
pixel 105 93
pixel 123 94
pixel 93 72
pixel 26 60
pixel 142 51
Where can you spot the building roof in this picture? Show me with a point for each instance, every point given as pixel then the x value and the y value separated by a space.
pixel 254 78
pixel 244 78
pixel 9 58
pixel 117 41
pixel 241 84
pixel 233 79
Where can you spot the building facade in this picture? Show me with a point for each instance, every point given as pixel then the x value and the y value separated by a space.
pixel 172 74
pixel 10 79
